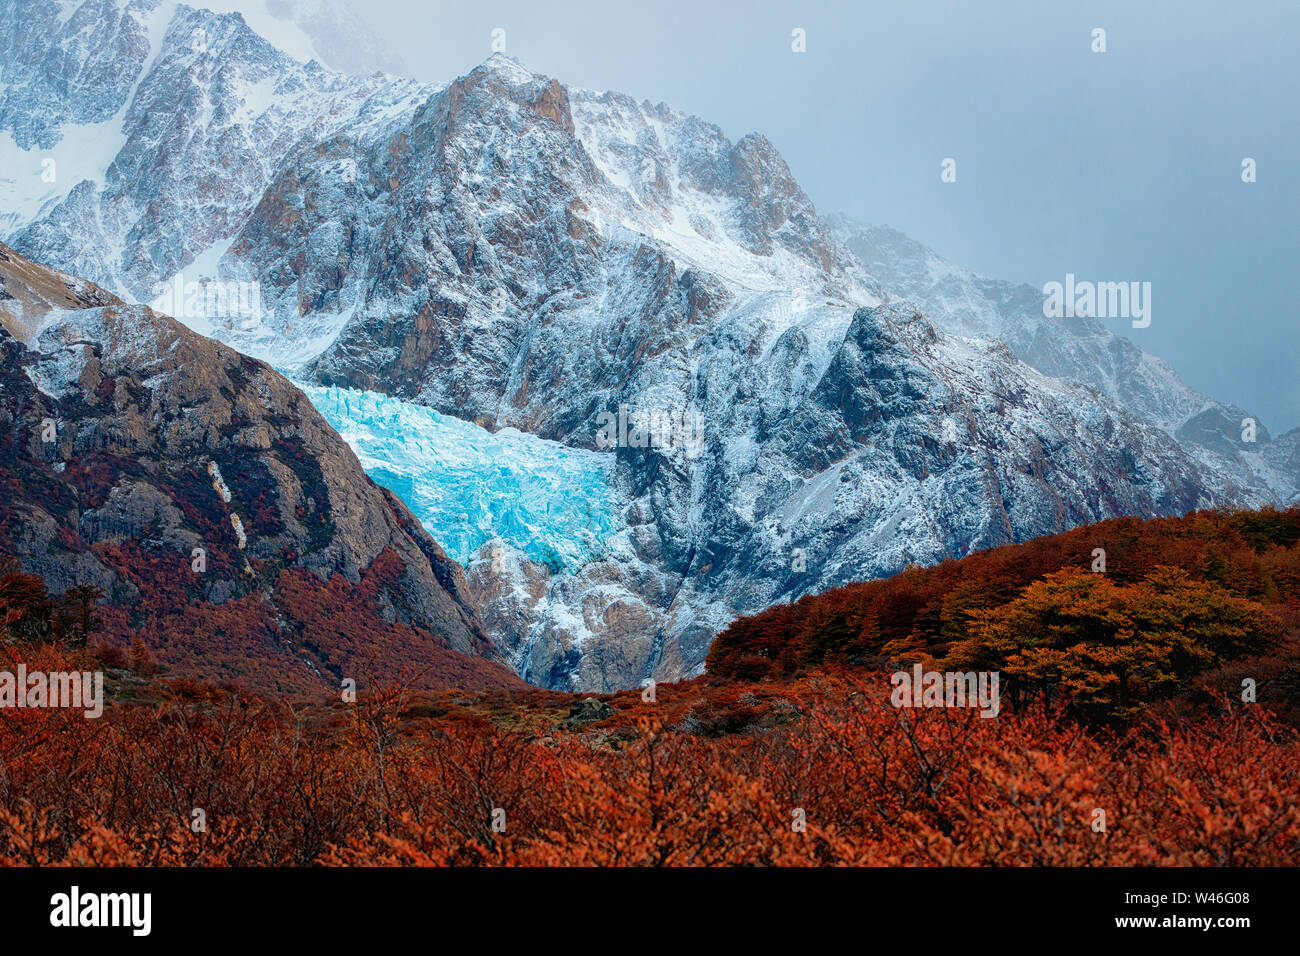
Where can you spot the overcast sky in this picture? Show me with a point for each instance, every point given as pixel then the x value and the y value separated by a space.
pixel 1117 166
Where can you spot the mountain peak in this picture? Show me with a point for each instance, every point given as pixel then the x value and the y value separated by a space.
pixel 500 74
pixel 508 68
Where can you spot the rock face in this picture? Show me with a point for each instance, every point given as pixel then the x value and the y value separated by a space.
pixel 521 254
pixel 135 452
pixel 69 71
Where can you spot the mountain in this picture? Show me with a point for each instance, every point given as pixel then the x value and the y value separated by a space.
pixel 227 525
pixel 1077 349
pixel 588 269
pixel 151 170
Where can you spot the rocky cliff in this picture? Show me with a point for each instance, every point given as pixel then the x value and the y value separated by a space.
pixel 185 480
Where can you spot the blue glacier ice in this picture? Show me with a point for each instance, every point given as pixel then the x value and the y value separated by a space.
pixel 468 485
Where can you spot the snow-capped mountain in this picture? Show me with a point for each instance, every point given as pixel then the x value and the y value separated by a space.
pixel 519 254
pixel 127 184
pixel 1077 349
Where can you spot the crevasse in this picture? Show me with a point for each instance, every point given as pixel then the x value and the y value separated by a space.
pixel 468 485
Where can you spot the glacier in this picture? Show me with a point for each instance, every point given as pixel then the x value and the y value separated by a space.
pixel 469 486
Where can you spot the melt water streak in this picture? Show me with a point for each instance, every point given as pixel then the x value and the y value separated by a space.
pixel 468 485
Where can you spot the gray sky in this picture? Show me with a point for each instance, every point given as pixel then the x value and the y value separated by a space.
pixel 1117 166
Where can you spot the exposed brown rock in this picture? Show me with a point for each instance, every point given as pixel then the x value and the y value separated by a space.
pixel 165 442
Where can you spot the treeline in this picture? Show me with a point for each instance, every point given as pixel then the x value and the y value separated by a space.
pixel 29 612
pixel 1113 616
pixel 336 628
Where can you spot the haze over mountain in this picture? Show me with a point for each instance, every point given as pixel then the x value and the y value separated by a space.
pixel 523 255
